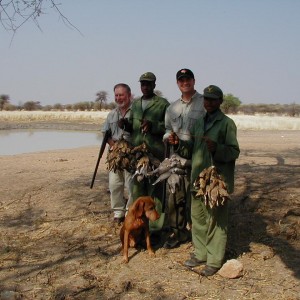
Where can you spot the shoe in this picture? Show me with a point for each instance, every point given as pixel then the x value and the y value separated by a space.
pixel 209 271
pixel 155 238
pixel 171 243
pixel 194 262
pixel 119 220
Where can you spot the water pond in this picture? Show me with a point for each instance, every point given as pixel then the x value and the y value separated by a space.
pixel 26 141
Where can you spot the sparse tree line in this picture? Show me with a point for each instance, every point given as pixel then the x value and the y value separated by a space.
pixel 231 105
pixel 100 103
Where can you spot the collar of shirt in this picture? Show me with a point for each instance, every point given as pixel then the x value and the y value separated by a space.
pixel 120 115
pixel 146 102
pixel 190 100
pixel 210 117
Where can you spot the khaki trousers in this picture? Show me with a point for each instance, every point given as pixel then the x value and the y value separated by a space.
pixel 119 182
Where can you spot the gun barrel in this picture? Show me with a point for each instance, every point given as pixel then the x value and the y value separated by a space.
pixel 102 148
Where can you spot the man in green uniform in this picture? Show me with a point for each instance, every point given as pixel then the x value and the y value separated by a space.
pixel 146 123
pixel 213 142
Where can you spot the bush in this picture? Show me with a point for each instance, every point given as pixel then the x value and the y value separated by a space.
pixel 230 104
pixel 9 107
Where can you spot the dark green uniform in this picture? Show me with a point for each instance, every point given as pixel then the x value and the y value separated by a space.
pixel 209 231
pixel 155 113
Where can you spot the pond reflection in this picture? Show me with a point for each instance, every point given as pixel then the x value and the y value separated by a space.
pixel 25 141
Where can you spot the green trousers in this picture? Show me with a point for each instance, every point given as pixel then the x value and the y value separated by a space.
pixel 145 188
pixel 209 231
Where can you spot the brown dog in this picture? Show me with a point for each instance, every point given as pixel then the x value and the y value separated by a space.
pixel 136 225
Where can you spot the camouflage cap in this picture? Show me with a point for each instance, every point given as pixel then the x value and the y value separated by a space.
pixel 148 76
pixel 184 73
pixel 213 92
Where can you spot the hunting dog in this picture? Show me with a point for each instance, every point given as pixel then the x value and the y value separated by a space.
pixel 135 229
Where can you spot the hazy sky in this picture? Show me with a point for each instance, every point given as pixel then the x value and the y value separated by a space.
pixel 248 48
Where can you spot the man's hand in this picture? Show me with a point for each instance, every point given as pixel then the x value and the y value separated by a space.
pixel 111 143
pixel 211 145
pixel 145 126
pixel 173 139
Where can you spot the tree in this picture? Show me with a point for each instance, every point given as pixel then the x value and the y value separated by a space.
pixel 101 98
pixel 58 106
pixel 15 13
pixel 32 105
pixel 292 110
pixel 230 103
pixel 4 99
pixel 158 93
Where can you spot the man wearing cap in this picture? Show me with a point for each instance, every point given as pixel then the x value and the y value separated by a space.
pixel 180 117
pixel 213 142
pixel 147 124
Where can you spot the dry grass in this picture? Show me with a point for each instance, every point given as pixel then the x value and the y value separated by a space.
pixel 243 122
pixel 48 116
pixel 264 122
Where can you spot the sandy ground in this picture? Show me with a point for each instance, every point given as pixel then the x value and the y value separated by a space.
pixel 58 240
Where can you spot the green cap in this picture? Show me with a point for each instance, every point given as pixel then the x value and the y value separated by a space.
pixel 148 76
pixel 213 92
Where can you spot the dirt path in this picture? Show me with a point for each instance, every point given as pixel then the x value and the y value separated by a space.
pixel 58 241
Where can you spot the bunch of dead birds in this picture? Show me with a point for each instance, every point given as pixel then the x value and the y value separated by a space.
pixel 173 170
pixel 140 162
pixel 210 185
pixel 119 156
pixel 136 160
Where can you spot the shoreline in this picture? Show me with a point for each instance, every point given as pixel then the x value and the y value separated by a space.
pixel 91 126
pixel 80 126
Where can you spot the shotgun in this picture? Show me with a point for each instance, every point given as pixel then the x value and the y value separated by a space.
pixel 107 135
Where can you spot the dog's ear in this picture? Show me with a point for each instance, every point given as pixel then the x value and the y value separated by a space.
pixel 139 208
